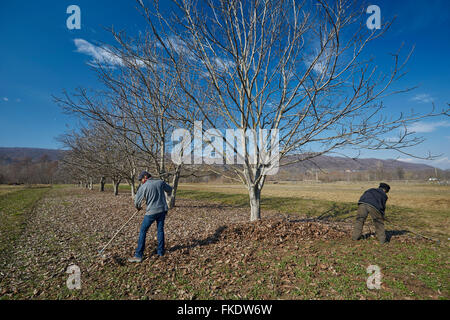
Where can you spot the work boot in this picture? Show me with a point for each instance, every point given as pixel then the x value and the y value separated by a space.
pixel 135 259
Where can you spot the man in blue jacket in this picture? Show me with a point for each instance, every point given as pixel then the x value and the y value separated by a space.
pixel 153 191
pixel 372 202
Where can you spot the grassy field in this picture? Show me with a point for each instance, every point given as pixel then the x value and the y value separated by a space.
pixel 421 207
pixel 414 196
pixel 213 252
pixel 16 203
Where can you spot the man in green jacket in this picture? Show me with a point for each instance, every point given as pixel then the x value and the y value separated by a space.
pixel 153 191
pixel 373 202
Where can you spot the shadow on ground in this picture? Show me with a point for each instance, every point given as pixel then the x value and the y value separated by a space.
pixel 200 242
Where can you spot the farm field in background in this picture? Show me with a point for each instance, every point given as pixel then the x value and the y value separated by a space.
pixel 423 207
pixel 409 195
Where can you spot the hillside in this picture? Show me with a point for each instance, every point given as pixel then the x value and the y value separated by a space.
pixel 342 163
pixel 10 155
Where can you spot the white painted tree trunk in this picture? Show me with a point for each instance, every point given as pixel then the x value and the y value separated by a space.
pixel 116 187
pixel 133 188
pixel 255 203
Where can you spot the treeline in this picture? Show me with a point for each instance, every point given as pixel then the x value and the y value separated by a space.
pixel 29 171
pixel 43 170
pixel 325 175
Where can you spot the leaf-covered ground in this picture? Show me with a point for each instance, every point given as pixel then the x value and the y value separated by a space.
pixel 213 252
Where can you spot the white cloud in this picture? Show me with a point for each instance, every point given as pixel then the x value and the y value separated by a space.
pixel 99 54
pixel 178 46
pixel 5 99
pixel 423 98
pixel 320 65
pixel 422 127
pixel 224 64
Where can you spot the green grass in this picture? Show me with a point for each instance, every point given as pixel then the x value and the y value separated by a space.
pixel 280 204
pixel 14 208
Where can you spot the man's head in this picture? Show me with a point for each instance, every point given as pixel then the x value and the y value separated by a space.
pixel 385 187
pixel 144 176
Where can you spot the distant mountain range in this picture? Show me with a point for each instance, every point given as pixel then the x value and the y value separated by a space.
pixel 344 163
pixel 10 155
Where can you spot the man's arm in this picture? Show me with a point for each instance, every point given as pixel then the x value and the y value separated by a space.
pixel 139 197
pixel 167 188
pixel 383 206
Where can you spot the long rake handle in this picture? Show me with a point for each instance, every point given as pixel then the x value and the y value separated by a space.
pixel 101 251
pixel 418 234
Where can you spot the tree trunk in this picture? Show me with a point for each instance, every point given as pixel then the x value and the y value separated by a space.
pixel 91 184
pixel 255 203
pixel 133 188
pixel 116 187
pixel 175 180
pixel 102 184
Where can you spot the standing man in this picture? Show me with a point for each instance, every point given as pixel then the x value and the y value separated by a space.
pixel 372 202
pixel 153 191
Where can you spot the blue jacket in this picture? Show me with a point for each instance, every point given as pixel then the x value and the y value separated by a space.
pixel 153 191
pixel 376 198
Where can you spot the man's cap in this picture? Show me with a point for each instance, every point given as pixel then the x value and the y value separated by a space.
pixel 143 174
pixel 384 186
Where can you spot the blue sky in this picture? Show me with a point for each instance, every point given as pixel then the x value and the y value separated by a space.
pixel 41 57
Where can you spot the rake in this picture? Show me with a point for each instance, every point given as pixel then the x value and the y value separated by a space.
pixel 418 234
pixel 103 249
pixel 100 252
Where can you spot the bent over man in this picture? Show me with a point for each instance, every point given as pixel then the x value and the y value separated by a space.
pixel 153 191
pixel 373 202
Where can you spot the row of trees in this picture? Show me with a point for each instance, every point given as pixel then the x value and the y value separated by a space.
pixel 41 171
pixel 294 66
pixel 398 174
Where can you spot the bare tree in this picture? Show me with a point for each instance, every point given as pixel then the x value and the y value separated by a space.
pixel 296 67
pixel 97 151
pixel 138 102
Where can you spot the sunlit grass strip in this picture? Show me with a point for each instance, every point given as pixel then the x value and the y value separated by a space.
pixel 14 207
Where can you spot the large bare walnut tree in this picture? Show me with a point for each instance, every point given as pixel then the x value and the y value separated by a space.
pixel 299 69
pixel 297 66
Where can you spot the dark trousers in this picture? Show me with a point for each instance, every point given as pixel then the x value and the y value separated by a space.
pixel 146 223
pixel 363 211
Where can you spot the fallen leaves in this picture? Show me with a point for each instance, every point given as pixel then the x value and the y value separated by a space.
pixel 211 249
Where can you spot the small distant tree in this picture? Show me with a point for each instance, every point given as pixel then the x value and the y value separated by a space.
pixel 400 173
